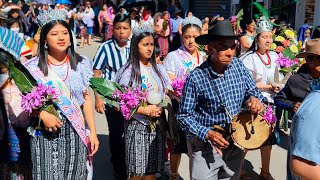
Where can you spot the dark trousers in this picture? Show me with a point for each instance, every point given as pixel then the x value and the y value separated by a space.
pixel 116 130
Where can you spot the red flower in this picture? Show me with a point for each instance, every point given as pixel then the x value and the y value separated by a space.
pixel 279 49
pixel 286 43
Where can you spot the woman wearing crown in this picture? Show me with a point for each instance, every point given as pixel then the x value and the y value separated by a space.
pixel 61 149
pixel 144 147
pixel 261 64
pixel 180 63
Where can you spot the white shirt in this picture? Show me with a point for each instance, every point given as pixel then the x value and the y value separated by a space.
pixel 261 73
pixel 176 22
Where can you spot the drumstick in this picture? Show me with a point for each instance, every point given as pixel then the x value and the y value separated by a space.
pixel 252 119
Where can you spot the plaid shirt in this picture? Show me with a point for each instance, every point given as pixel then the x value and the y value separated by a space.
pixel 206 93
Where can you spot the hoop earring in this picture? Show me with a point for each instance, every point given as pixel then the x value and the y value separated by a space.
pixel 45 46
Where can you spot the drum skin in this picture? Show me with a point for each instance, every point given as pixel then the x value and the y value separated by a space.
pixel 243 137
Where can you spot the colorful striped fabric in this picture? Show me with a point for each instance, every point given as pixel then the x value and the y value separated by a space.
pixel 11 42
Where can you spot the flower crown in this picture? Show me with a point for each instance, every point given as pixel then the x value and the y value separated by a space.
pixel 45 17
pixel 192 20
pixel 263 25
pixel 142 29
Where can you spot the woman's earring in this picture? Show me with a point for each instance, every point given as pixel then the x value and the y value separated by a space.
pixel 45 46
pixel 69 44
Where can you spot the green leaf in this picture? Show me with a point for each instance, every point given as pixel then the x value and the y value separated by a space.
pixel 105 88
pixel 239 17
pixel 165 102
pixel 261 9
pixel 288 53
pixel 51 109
pixel 21 76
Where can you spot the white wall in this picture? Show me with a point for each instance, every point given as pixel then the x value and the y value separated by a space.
pixel 300 13
pixel 316 18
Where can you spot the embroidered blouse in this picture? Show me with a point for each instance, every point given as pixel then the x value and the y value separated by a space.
pixel 179 62
pixel 260 72
pixel 77 81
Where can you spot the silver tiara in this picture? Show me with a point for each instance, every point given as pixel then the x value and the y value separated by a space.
pixel 45 17
pixel 263 25
pixel 192 20
pixel 142 29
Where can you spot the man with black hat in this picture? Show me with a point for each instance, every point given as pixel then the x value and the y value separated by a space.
pixel 213 94
pixel 176 22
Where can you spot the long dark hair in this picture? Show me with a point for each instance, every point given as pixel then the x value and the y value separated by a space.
pixel 74 58
pixel 4 58
pixel 135 62
pixel 316 33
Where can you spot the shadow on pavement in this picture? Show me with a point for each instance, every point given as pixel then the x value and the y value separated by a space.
pixel 102 167
pixel 250 171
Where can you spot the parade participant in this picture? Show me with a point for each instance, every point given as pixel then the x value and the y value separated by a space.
pixel 247 40
pixel 102 21
pixel 304 137
pixel 164 31
pixel 146 18
pixel 15 156
pixel 179 63
pixel 88 19
pixel 110 57
pixel 145 149
pixel 218 87
pixel 134 17
pixel 109 19
pixel 262 64
pixel 304 34
pixel 299 87
pixel 176 21
pixel 62 139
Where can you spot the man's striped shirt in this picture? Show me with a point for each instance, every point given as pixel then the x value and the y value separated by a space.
pixel 110 58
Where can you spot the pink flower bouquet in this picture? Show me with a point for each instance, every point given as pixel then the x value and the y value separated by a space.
pixel 269 115
pixel 177 85
pixel 287 47
pixel 129 101
pixel 40 97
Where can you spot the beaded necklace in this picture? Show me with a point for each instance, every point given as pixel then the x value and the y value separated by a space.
pixel 65 61
pixel 268 64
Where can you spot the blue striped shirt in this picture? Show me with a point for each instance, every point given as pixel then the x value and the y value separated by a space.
pixel 206 91
pixel 110 58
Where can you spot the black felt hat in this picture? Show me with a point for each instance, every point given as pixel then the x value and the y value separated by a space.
pixel 218 30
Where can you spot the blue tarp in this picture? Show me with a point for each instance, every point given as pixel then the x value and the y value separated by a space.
pixel 63 2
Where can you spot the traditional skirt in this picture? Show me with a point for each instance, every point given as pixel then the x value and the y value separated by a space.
pixel 177 142
pixel 60 155
pixel 109 31
pixel 145 150
pixel 164 45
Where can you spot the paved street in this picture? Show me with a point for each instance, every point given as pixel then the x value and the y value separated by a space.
pixel 103 167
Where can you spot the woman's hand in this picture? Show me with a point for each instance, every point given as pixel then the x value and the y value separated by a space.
pixel 94 142
pixel 276 87
pixel 51 122
pixel 152 111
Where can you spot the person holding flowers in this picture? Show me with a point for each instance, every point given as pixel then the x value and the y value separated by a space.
pixel 60 146
pixel 179 64
pixel 15 155
pixel 261 64
pixel 144 145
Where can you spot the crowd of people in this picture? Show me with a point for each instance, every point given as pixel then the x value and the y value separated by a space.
pixel 227 66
